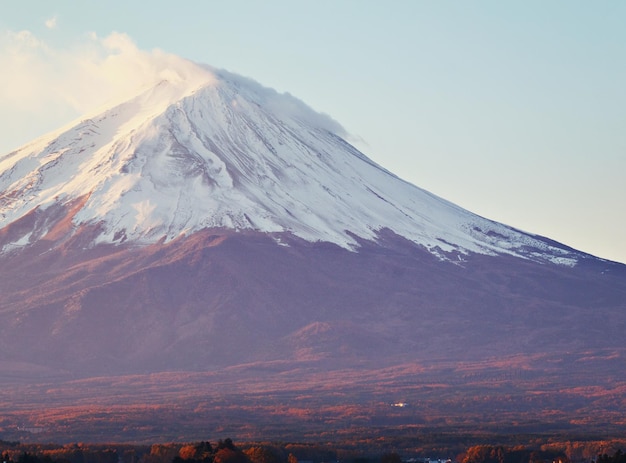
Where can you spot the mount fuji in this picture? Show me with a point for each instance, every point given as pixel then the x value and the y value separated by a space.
pixel 212 226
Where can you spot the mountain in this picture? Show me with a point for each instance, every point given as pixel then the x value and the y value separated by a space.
pixel 211 226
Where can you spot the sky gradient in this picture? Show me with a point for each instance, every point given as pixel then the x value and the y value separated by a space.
pixel 513 110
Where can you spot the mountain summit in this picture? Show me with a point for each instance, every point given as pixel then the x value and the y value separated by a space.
pixel 211 150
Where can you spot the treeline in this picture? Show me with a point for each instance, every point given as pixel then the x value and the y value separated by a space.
pixel 521 454
pixel 225 451
pixel 618 457
pixel 517 454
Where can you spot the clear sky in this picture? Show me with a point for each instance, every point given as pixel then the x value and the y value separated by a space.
pixel 514 110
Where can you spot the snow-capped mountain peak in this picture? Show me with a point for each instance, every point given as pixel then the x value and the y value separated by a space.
pixel 205 148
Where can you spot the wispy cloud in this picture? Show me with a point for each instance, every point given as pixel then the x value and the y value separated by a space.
pixel 51 23
pixel 47 81
pixel 82 77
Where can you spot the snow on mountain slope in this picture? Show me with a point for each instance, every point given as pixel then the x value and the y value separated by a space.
pixel 210 149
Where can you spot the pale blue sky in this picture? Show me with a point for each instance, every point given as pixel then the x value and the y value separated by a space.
pixel 514 110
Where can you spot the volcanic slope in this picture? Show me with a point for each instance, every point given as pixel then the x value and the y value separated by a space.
pixel 210 223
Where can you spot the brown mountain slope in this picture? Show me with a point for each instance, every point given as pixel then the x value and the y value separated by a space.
pixel 224 298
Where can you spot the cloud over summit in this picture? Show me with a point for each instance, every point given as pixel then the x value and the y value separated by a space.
pixel 49 85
